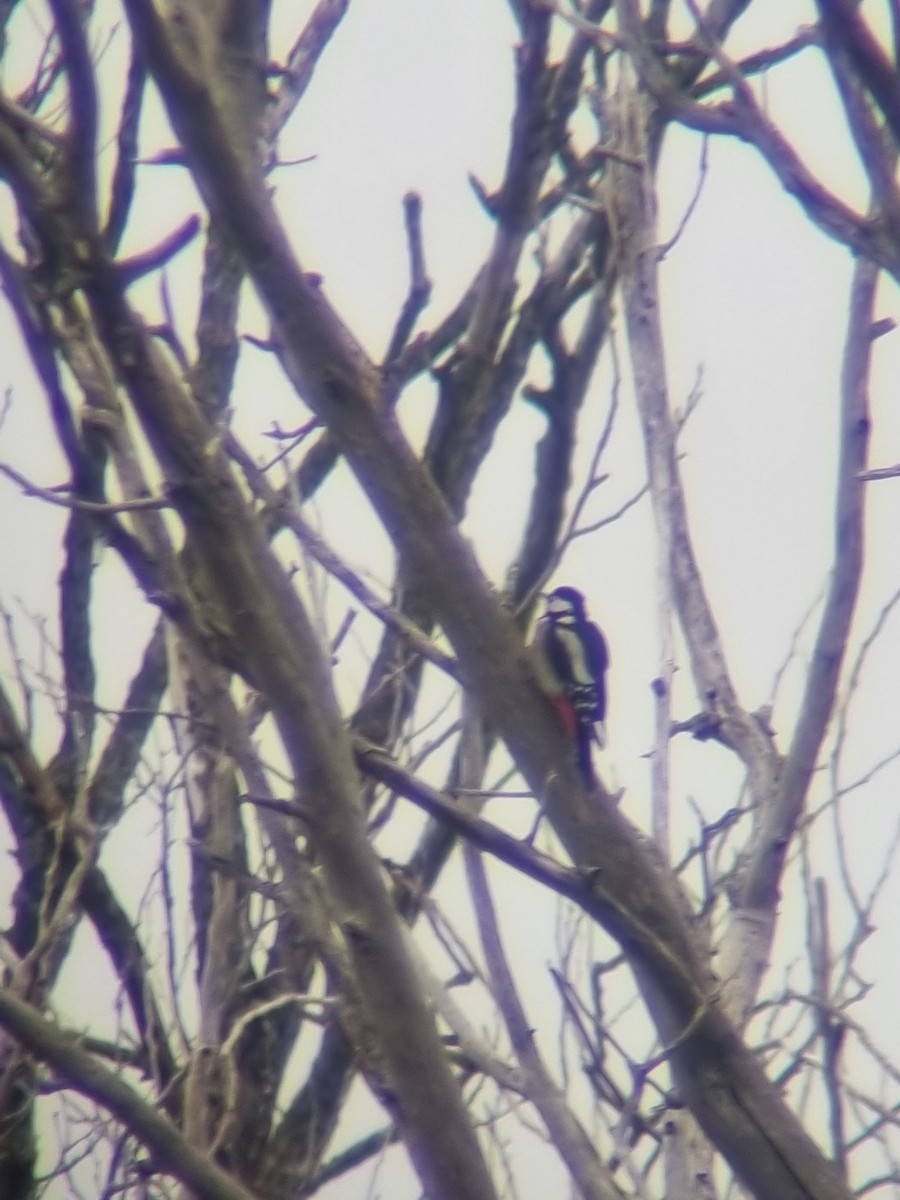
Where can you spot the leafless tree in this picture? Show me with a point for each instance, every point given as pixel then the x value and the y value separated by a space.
pixel 238 839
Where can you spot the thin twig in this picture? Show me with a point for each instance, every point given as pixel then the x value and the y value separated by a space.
pixel 880 473
pixel 419 283
pixel 689 211
pixel 67 500
pixel 138 265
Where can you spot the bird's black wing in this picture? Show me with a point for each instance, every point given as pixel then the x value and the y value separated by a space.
pixel 598 659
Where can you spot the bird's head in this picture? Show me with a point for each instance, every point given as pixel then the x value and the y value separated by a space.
pixel 565 605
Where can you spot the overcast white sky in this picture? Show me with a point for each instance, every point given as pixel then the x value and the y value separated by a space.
pixel 416 94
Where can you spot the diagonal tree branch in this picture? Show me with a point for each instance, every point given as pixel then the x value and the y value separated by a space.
pixel 302 61
pixel 844 20
pixel 591 1176
pixel 121 189
pixel 760 885
pixel 631 201
pixel 745 119
pixel 172 1152
pixel 70 20
pixel 751 1124
pixel 280 652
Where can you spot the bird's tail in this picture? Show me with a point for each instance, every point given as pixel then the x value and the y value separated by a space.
pixel 586 738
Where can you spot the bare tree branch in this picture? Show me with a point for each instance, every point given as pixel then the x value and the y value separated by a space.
pixel 844 20
pixel 82 132
pixel 295 929
pixel 760 886
pixel 591 1176
pixel 341 385
pixel 302 61
pixel 121 190
pixel 171 1151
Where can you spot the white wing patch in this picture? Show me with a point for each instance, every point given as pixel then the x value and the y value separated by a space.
pixel 580 668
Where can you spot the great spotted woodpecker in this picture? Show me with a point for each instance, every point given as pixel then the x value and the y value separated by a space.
pixel 571 659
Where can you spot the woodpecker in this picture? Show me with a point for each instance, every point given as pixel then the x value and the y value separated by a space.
pixel 572 659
